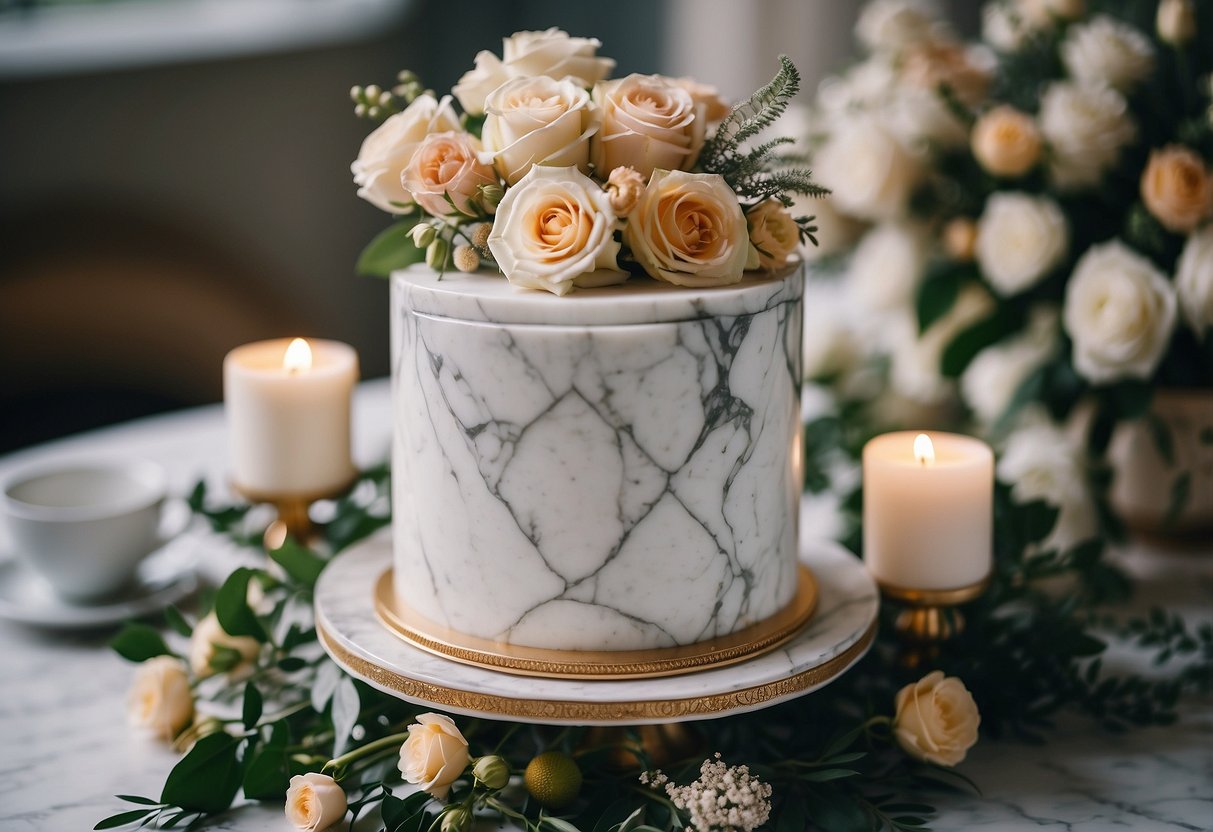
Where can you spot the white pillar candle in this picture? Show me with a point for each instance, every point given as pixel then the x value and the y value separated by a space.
pixel 928 506
pixel 288 416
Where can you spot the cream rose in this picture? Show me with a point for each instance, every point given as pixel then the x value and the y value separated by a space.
pixel 1120 312
pixel 551 53
pixel 387 150
pixel 1041 462
pixel 887 266
pixel 1003 27
pixel 446 166
pixel 917 117
pixel 160 700
pixel 996 373
pixel 1020 238
pixel 538 121
pixel 688 229
pixel 891 25
pixel 773 233
pixel 1006 142
pixel 314 802
pixel 1176 21
pixel 207 636
pixel 1176 188
pixel 1104 50
pixel 1194 281
pixel 936 719
pixel 556 228
pixel 435 754
pixel 966 72
pixel 869 171
pixel 1086 128
pixel 648 123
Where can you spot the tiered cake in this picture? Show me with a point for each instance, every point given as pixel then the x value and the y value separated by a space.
pixel 615 470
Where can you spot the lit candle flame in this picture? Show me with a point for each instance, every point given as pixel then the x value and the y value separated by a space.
pixel 298 358
pixel 924 451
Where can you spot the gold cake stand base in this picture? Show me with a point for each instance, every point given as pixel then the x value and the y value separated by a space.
pixel 597 664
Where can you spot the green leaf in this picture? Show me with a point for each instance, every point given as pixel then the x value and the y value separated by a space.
pixel 558 824
pixel 301 563
pixel 267 775
pixel 391 249
pixel 123 818
pixel 828 774
pixel 972 340
pixel 835 811
pixel 936 297
pixel 223 658
pixel 794 816
pixel 1037 519
pixel 142 801
pixel 177 622
pixel 232 609
pixel 1164 442
pixel 1131 399
pixel 139 642
pixel 207 778
pixel 253 704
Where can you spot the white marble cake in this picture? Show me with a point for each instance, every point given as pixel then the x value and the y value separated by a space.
pixel 617 469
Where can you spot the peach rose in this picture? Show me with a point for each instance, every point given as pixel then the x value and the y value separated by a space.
pixel 1176 188
pixel 160 698
pixel 960 239
pixel 387 150
pixel 446 166
pixel 773 233
pixel 648 123
pixel 936 719
pixel 688 229
pixel 624 187
pixel 553 230
pixel 1006 142
pixel 314 802
pixel 538 121
pixel 715 107
pixel 207 636
pixel 435 754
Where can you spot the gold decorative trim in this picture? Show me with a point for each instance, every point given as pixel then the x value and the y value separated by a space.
pixel 544 710
pixel 758 638
pixel 935 597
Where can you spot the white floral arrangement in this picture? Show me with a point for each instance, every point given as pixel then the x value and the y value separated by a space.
pixel 563 178
pixel 1019 233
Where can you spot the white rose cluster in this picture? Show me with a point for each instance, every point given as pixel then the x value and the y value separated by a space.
pixel 1020 239
pixel 1107 51
pixel 1086 129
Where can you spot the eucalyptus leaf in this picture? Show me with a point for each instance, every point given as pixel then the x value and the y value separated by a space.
pixel 346 707
pixel 253 704
pixel 177 622
pixel 559 824
pixel 301 563
pixel 936 297
pixel 123 818
pixel 267 775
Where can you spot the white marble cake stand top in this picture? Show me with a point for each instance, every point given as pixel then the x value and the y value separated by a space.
pixel 837 636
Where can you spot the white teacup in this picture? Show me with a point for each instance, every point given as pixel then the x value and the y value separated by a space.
pixel 85 527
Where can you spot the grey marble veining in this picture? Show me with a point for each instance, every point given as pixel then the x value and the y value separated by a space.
pixel 599 486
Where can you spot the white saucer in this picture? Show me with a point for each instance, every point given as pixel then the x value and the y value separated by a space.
pixel 836 637
pixel 167 576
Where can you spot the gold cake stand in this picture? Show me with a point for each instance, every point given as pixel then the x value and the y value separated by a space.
pixel 794 663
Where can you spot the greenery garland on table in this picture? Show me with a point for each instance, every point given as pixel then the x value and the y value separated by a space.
pixel 258 709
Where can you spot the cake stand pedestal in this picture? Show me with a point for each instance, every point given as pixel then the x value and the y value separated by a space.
pixel 837 636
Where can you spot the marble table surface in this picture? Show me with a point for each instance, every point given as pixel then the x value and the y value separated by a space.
pixel 66 748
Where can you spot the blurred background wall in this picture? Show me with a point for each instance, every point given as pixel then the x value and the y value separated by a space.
pixel 174 174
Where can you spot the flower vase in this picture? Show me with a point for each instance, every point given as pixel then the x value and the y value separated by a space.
pixel 1145 484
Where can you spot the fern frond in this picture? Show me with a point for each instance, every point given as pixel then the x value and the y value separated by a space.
pixel 751 117
pixel 778 185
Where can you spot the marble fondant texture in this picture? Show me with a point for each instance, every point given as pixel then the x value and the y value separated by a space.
pixel 618 469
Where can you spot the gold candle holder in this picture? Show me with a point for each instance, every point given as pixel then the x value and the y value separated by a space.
pixel 293 510
pixel 930 617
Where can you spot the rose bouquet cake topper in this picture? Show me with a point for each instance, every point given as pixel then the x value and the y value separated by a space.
pixel 563 178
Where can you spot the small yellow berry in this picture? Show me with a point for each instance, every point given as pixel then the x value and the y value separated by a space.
pixel 553 779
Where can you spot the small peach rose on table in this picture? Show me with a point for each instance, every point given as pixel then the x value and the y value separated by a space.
pixel 555 230
pixel 314 802
pixel 936 719
pixel 213 649
pixel 160 699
